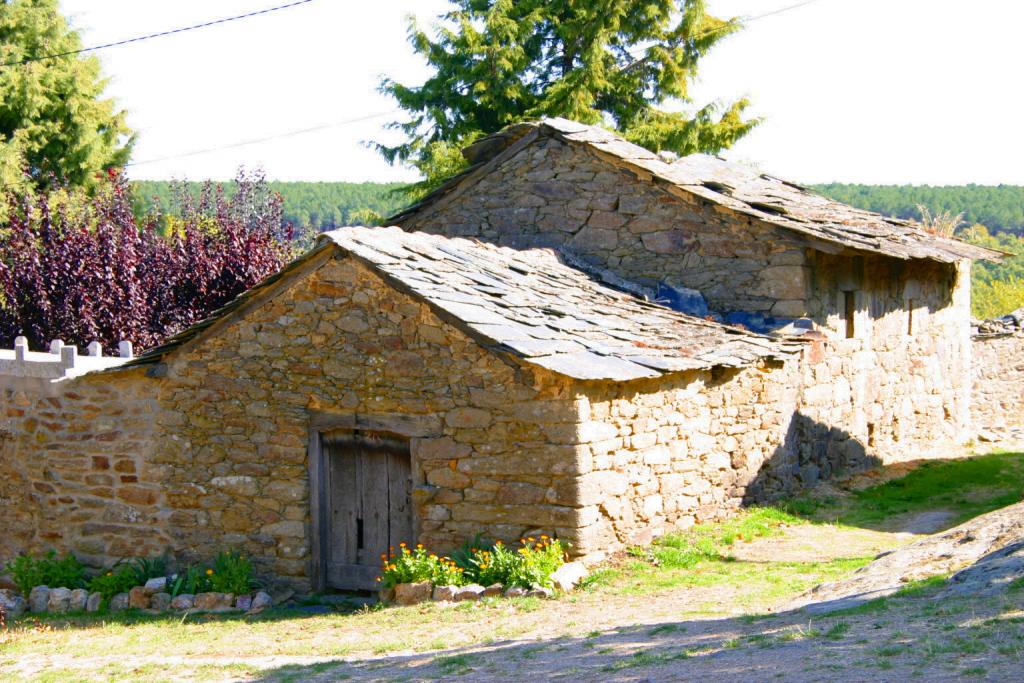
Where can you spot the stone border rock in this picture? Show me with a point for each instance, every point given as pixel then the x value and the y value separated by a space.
pixel 151 598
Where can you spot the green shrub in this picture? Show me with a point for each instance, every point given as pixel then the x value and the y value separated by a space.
pixel 478 562
pixel 48 570
pixel 119 579
pixel 232 573
pixel 128 574
pixel 494 564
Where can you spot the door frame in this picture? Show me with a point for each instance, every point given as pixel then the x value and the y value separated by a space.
pixel 411 427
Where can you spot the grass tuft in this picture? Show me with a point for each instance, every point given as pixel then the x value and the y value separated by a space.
pixel 454 665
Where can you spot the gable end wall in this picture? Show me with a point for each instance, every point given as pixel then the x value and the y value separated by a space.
pixel 494 445
pixel 553 194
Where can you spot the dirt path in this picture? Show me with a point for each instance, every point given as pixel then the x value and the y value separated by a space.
pixel 816 543
pixel 726 619
pixel 962 640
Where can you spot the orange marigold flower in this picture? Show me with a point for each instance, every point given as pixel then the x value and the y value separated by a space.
pixel 209 572
pixel 419 545
pixel 402 544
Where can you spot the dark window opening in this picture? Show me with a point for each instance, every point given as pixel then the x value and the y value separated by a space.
pixel 850 309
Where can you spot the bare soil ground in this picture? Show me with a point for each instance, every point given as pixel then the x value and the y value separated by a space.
pixel 594 637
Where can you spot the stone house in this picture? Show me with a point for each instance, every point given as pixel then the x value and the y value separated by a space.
pixel 887 304
pixel 505 364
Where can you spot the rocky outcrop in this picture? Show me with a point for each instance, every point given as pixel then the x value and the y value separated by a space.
pixel 987 553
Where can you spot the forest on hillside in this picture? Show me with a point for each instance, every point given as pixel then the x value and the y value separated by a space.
pixel 327 205
pixel 993 216
pixel 1000 208
pixel 319 206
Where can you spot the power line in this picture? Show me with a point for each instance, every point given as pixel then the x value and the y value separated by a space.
pixel 161 34
pixel 781 10
pixel 314 129
pixel 732 24
pixel 256 141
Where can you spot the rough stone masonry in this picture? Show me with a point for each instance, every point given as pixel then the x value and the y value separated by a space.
pixel 604 422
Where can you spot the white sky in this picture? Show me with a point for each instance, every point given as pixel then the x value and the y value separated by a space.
pixel 874 91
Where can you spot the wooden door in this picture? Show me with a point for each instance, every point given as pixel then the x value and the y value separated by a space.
pixel 368 504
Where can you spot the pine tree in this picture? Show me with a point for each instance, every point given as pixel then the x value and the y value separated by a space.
pixel 54 121
pixel 607 62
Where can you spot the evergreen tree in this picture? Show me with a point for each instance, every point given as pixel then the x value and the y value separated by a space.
pixel 608 62
pixel 54 121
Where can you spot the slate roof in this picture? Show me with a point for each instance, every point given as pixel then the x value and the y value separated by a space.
pixel 831 225
pixel 529 304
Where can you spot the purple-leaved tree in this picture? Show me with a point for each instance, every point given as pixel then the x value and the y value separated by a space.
pixel 88 270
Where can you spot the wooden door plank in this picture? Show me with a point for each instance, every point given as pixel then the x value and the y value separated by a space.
pixel 344 503
pixel 368 484
pixel 373 481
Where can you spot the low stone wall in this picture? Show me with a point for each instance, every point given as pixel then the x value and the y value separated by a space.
pixel 998 400
pixel 74 471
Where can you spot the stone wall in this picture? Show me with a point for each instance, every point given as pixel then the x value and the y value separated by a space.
pixel 681 451
pixel 998 400
pixel 74 471
pixel 494 446
pixel 559 195
pixel 901 384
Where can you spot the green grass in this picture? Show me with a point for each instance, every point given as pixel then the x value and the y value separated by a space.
pixel 913 589
pixel 666 628
pixel 751 584
pixel 296 673
pixel 700 557
pixel 922 586
pixel 151 673
pixel 966 487
pixel 712 541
